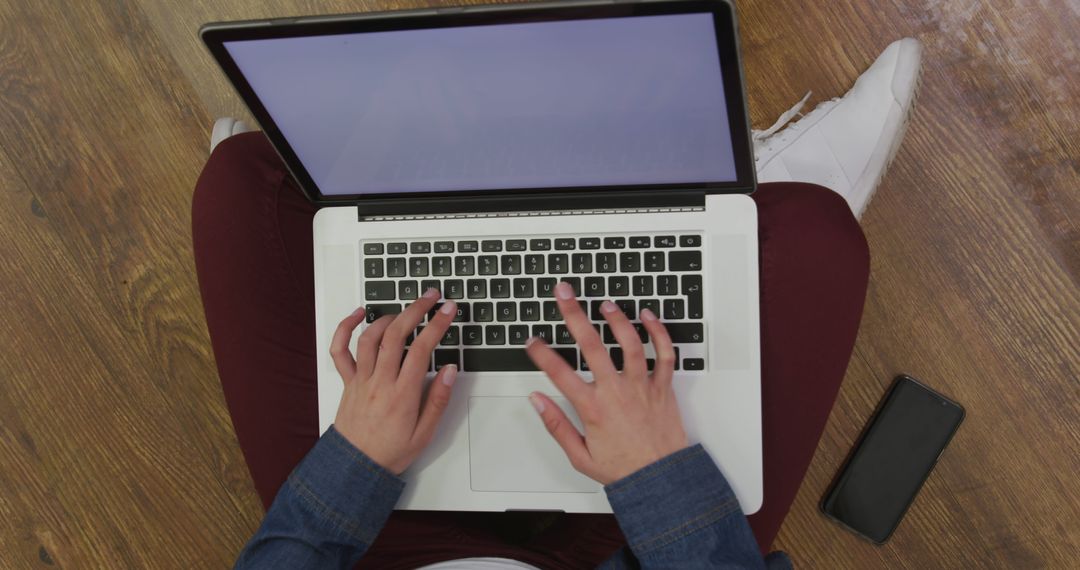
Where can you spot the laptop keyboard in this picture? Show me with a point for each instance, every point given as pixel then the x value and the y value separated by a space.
pixel 505 292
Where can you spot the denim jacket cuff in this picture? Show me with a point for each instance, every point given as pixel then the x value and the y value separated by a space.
pixel 671 499
pixel 346 488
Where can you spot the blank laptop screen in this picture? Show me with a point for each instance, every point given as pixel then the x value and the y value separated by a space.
pixel 597 102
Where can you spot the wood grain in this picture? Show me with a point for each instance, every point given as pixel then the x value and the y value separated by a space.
pixel 115 446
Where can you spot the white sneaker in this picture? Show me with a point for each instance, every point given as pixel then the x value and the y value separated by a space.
pixel 846 144
pixel 224 128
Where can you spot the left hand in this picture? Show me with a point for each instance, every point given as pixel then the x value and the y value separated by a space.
pixel 380 411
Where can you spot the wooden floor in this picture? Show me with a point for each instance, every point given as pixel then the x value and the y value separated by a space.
pixel 115 446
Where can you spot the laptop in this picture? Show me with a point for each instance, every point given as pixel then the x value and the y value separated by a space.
pixel 493 151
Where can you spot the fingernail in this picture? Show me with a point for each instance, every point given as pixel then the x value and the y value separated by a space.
pixel 450 375
pixel 536 403
pixel 432 293
pixel 608 307
pixel 448 308
pixel 564 291
pixel 359 311
pixel 647 315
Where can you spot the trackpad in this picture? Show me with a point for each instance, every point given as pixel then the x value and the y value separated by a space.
pixel 510 451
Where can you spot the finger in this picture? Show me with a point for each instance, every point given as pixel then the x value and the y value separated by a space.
pixel 665 352
pixel 588 340
pixel 418 360
pixel 563 431
pixel 565 378
pixel 339 345
pixel 435 405
pixel 627 337
pixel 393 341
pixel 367 346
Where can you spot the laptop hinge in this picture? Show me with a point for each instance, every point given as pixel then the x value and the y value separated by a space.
pixel 612 202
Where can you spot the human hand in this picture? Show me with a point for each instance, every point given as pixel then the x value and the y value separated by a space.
pixel 631 419
pixel 380 408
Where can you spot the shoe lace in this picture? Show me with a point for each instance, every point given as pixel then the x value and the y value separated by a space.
pixel 761 138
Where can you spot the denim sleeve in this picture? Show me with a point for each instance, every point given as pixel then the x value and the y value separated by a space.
pixel 680 513
pixel 327 513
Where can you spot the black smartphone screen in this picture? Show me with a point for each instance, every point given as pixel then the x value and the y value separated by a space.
pixel 893 458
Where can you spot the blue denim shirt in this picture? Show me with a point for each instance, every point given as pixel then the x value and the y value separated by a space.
pixel 676 513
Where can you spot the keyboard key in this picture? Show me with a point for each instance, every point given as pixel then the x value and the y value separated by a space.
pixel 674 309
pixel 619 286
pixel 523 288
pixel 640 242
pixel 442 266
pixel 500 288
pixel 629 262
pixel 518 334
pixel 491 245
pixel 691 287
pixel 667 285
pixel 395 267
pixel 462 315
pixel 614 243
pixel 444 247
pixel 643 285
pixel 418 247
pixel 617 357
pixel 529 311
pixel 693 364
pixel 468 246
pixel 515 245
pixel 374 311
pixel 690 241
pixel 373 268
pixel 564 243
pixel 575 284
pixel 373 249
pixel 451 337
pixel 594 312
pixel 685 260
pixel 545 287
pixel 464 266
pixel 378 290
pixel 543 332
pixel 444 356
pixel 487 265
pixel 551 311
pixel 664 241
pixel 594 287
pixel 539 244
pixel 609 336
pixel 605 263
pixel 426 284
pixel 483 312
pixel 472 335
pixel 534 264
pixel 418 267
pixel 476 288
pixel 511 265
pixel 454 289
pixel 654 261
pixel 628 306
pixel 686 332
pixel 650 304
pixel 494 334
pixel 558 263
pixel 507 359
pixel 582 262
pixel 562 335
pixel 408 290
pixel 506 312
pixel 397 248
pixel 589 243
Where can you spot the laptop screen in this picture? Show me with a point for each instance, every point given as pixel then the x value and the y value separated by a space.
pixel 552 104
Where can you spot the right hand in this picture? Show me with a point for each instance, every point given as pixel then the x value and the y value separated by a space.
pixel 631 419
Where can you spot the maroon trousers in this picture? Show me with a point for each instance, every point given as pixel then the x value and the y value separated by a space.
pixel 253 252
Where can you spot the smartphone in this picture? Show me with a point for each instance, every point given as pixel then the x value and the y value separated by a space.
pixel 892 459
